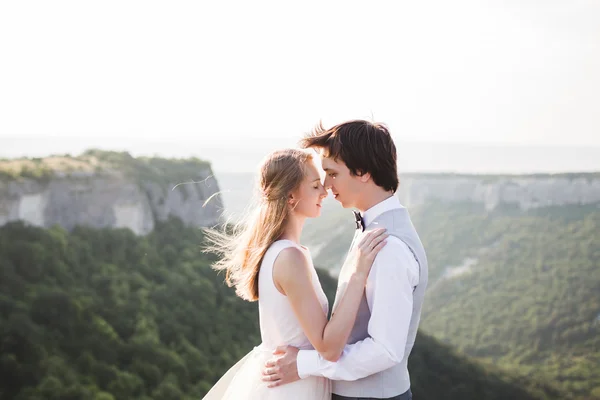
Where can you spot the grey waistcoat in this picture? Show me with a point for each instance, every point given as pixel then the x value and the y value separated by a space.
pixel 395 380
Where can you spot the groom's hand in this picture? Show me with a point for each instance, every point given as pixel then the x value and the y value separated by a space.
pixel 282 368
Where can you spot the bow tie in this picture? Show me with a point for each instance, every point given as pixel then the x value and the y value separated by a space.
pixel 360 222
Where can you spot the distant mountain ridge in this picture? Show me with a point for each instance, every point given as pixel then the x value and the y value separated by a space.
pixel 525 191
pixel 114 189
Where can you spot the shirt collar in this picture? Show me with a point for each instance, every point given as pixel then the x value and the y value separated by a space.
pixel 381 207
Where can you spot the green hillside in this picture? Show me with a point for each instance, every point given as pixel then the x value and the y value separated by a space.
pixel 103 314
pixel 520 289
pixel 532 296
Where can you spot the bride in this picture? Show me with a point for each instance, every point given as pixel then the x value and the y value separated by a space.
pixel 265 261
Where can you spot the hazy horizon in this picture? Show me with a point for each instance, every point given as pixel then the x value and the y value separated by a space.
pixel 510 72
pixel 464 86
pixel 245 154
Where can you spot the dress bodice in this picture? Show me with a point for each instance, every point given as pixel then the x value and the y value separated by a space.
pixel 278 323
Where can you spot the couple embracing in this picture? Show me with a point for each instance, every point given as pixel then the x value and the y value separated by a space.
pixel 362 351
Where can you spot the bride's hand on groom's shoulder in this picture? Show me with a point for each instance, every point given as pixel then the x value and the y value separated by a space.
pixel 281 368
pixel 367 249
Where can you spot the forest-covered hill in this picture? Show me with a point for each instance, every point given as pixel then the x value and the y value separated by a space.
pixel 521 289
pixel 105 314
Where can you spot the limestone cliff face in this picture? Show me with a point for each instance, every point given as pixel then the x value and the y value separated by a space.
pixel 526 191
pixel 112 198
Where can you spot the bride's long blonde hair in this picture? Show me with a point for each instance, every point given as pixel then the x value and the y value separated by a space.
pixel 243 250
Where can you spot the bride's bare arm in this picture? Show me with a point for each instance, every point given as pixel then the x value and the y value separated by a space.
pixel 292 276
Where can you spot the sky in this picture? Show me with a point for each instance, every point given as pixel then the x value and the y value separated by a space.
pixel 232 73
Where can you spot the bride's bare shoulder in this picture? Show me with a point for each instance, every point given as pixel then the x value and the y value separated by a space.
pixel 291 263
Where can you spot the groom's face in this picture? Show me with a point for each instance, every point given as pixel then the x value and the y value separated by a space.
pixel 344 186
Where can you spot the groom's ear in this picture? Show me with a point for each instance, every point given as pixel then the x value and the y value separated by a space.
pixel 364 177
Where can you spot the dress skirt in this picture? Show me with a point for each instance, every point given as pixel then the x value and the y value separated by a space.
pixel 243 381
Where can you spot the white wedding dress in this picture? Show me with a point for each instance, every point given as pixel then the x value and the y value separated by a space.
pixel 278 326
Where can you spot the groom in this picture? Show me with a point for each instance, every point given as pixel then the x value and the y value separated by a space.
pixel 359 159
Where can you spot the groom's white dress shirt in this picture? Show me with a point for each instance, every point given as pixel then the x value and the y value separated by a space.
pixel 389 294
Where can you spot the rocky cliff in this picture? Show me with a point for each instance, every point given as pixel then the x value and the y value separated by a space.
pixel 525 191
pixel 108 189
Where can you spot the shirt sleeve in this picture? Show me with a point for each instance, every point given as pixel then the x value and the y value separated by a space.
pixel 389 292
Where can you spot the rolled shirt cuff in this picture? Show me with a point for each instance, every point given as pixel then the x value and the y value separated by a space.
pixel 307 363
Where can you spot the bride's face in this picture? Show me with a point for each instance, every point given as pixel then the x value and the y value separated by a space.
pixel 309 195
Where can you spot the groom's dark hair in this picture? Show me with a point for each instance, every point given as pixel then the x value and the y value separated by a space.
pixel 365 147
